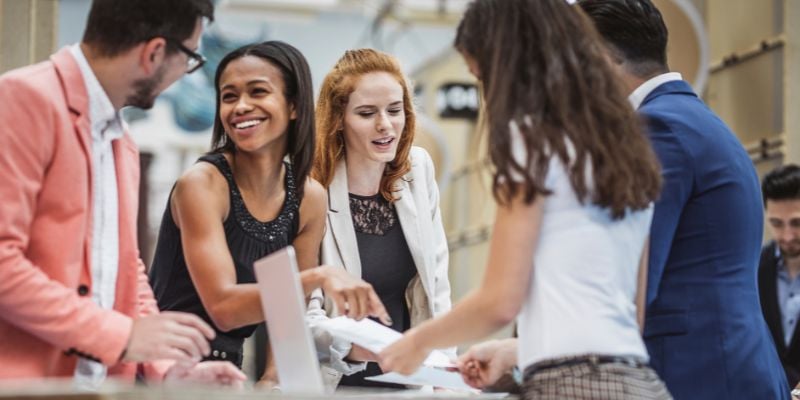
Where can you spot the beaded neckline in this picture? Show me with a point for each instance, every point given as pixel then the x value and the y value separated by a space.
pixel 269 231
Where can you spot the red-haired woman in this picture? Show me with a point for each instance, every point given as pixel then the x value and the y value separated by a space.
pixel 383 222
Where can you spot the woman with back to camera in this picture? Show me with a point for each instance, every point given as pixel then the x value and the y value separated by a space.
pixel 575 179
pixel 383 222
pixel 248 197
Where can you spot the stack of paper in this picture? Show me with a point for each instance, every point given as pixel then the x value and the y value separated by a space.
pixel 376 337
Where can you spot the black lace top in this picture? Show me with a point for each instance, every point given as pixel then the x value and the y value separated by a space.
pixel 248 240
pixel 372 215
pixel 386 263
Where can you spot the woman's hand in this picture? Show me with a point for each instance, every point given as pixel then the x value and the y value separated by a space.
pixel 269 379
pixel 485 363
pixel 405 355
pixel 353 297
pixel 212 373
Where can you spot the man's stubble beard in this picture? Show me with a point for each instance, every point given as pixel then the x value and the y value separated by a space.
pixel 144 96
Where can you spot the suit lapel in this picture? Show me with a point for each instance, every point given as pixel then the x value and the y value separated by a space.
pixel 77 98
pixel 794 344
pixel 126 165
pixel 341 221
pixel 769 298
pixel 410 224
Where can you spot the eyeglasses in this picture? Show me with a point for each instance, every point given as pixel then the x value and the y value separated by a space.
pixel 194 60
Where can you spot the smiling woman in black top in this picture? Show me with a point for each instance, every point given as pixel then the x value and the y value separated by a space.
pixel 248 197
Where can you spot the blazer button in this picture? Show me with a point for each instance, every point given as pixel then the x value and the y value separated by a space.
pixel 83 290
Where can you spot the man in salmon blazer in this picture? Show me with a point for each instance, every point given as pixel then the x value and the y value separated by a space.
pixel 74 299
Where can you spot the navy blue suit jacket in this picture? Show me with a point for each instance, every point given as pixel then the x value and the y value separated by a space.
pixel 704 329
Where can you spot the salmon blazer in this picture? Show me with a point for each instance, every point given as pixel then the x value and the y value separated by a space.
pixel 47 316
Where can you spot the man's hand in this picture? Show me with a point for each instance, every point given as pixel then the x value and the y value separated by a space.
pixel 360 354
pixel 169 336
pixel 484 363
pixel 353 297
pixel 211 373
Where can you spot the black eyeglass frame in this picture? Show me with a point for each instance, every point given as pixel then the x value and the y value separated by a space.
pixel 201 59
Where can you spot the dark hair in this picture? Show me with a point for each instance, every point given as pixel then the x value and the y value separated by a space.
pixel 782 183
pixel 334 96
pixel 298 91
pixel 543 68
pixel 115 26
pixel 634 31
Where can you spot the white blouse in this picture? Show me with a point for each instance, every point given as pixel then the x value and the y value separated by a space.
pixel 581 297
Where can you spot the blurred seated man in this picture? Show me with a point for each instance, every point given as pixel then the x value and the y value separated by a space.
pixel 779 269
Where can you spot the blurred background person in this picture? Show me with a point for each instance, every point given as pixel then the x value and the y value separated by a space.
pixel 779 270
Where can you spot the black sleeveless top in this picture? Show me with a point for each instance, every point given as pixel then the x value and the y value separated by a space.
pixel 248 240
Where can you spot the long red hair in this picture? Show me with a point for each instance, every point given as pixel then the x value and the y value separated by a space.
pixel 333 98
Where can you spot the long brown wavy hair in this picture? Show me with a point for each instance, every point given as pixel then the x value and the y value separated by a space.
pixel 333 98
pixel 543 66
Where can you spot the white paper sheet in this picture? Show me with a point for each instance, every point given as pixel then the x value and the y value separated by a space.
pixel 427 376
pixel 376 337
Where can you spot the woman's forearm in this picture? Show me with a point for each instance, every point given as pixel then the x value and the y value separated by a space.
pixel 470 319
pixel 239 306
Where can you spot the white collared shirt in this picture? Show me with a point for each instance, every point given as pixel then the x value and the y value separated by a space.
pixel 107 125
pixel 637 97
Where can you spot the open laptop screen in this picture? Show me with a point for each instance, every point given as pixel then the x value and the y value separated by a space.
pixel 284 309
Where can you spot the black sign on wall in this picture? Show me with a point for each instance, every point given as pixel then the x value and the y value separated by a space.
pixel 457 100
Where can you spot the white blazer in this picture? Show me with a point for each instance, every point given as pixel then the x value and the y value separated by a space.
pixel 427 295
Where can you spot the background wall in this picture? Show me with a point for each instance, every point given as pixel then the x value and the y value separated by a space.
pixel 27 31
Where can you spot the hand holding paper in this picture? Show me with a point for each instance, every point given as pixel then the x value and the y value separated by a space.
pixel 404 356
pixel 376 337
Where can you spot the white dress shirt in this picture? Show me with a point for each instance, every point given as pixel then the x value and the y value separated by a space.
pixel 637 97
pixel 107 125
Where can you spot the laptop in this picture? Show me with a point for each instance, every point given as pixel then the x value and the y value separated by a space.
pixel 293 347
pixel 285 310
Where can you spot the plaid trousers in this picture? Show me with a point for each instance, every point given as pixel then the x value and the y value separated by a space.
pixel 583 377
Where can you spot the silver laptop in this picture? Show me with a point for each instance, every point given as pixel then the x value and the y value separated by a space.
pixel 285 310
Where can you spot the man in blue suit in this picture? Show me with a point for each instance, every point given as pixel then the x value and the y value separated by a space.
pixel 704 329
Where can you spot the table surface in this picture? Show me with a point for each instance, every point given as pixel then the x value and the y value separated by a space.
pixel 54 389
